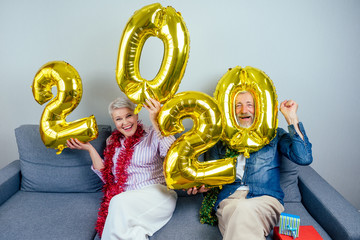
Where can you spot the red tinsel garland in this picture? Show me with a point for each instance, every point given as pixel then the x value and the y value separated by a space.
pixel 114 186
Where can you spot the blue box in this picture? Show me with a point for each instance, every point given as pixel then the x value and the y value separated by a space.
pixel 289 225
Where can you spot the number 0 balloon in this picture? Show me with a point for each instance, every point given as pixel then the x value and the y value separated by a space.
pixel 169 26
pixel 263 129
pixel 54 130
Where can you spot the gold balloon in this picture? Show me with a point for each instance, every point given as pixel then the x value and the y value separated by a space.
pixel 54 129
pixel 169 26
pixel 263 129
pixel 181 166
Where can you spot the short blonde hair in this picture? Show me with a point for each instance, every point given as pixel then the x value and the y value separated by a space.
pixel 121 102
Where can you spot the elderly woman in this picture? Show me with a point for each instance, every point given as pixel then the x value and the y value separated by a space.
pixel 136 200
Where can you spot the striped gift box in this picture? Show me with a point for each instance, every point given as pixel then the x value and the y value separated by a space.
pixel 289 225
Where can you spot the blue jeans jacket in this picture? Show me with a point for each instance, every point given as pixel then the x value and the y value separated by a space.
pixel 262 169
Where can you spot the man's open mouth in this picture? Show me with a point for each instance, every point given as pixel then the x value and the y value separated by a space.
pixel 245 117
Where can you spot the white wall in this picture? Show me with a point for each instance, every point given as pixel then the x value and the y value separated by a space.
pixel 310 49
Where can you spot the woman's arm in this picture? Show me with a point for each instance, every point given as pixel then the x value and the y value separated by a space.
pixel 94 155
pixel 162 142
pixel 154 107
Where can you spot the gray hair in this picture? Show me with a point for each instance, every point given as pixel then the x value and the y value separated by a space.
pixel 243 92
pixel 121 102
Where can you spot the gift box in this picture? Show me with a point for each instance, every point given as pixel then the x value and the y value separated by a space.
pixel 305 233
pixel 289 224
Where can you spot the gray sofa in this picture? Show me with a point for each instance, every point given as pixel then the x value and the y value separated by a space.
pixel 48 196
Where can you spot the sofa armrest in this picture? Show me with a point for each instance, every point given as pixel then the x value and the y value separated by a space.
pixel 329 208
pixel 9 180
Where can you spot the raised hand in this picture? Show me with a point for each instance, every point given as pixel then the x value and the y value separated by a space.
pixel 154 107
pixel 289 109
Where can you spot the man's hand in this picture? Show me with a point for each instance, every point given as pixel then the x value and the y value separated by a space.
pixel 194 190
pixel 289 109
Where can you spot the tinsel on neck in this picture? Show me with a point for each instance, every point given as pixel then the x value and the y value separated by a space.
pixel 207 212
pixel 116 184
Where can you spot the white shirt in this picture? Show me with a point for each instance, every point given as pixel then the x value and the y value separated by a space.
pixel 240 168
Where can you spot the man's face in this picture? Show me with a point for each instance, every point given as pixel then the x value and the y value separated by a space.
pixel 244 109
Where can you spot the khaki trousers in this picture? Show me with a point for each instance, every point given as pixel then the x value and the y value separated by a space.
pixel 248 219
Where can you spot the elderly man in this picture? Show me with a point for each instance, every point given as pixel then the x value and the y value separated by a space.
pixel 250 207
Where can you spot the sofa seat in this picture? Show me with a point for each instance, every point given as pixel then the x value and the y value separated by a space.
pixel 185 222
pixel 48 196
pixel 297 208
pixel 40 215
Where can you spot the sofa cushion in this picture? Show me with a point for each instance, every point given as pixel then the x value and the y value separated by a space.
pixel 289 173
pixel 185 223
pixel 44 216
pixel 305 217
pixel 44 171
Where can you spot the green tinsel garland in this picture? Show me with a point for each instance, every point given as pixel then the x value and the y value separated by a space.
pixel 207 212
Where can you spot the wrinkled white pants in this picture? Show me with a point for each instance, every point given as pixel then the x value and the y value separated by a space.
pixel 138 214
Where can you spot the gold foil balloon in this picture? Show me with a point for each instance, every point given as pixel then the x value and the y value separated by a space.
pixel 181 166
pixel 54 129
pixel 263 129
pixel 167 25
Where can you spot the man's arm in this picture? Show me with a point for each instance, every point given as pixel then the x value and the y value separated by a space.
pixel 289 109
pixel 295 145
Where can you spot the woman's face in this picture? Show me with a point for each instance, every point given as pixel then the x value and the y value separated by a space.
pixel 125 121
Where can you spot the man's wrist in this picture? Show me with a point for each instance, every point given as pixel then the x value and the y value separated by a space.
pixel 292 120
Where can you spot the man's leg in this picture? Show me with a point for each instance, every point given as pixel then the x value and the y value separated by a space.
pixel 241 218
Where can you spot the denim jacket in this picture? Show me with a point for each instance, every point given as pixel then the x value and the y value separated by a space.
pixel 262 169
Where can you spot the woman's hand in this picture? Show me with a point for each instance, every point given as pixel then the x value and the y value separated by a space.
pixel 77 144
pixel 154 107
pixel 94 155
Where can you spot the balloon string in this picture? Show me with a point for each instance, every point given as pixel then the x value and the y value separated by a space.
pixel 138 108
pixel 60 148
pixel 246 153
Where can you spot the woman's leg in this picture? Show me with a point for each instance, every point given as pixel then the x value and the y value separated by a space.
pixel 140 213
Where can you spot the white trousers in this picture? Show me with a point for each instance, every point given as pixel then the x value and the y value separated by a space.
pixel 138 214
